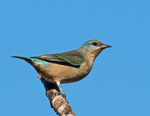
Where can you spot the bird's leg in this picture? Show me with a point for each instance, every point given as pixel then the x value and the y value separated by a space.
pixel 63 94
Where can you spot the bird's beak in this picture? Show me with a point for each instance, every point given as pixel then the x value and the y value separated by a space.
pixel 105 46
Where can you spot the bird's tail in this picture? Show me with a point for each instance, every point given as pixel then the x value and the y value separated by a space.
pixel 24 58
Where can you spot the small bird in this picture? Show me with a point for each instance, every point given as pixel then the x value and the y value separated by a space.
pixel 69 66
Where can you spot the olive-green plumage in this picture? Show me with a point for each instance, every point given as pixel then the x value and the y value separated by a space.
pixel 69 66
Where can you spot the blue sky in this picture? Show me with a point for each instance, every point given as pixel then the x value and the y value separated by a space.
pixel 119 82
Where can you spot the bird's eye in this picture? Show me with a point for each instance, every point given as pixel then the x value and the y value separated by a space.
pixel 94 43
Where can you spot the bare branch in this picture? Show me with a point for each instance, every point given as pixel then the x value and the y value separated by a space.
pixel 57 101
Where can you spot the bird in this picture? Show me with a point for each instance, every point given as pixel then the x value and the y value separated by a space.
pixel 69 66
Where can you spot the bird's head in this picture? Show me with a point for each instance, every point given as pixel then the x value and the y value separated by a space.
pixel 92 48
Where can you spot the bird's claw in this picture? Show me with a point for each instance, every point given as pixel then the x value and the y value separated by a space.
pixel 63 95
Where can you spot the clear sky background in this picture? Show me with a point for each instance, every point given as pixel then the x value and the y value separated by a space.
pixel 119 82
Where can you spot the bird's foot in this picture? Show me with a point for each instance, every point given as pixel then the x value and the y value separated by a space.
pixel 63 95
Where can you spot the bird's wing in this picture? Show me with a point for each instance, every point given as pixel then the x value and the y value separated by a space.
pixel 69 58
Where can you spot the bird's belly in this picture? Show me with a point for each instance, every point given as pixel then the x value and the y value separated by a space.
pixel 65 74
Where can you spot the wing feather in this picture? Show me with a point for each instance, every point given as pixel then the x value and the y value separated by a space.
pixel 72 58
